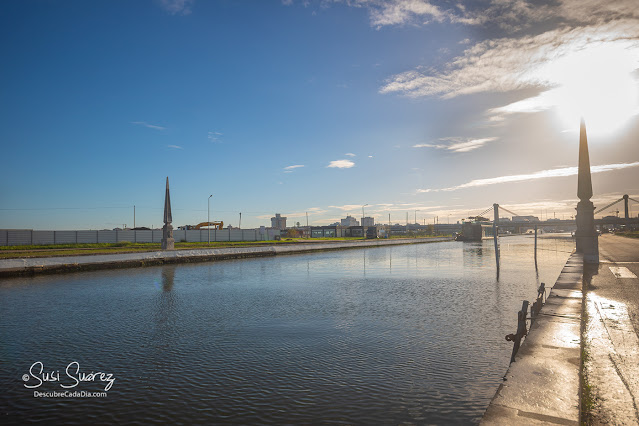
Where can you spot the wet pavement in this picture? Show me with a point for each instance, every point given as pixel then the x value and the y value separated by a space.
pixel 612 344
pixel 541 386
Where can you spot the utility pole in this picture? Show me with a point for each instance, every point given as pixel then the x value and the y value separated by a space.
pixel 363 232
pixel 240 225
pixel 134 216
pixel 208 217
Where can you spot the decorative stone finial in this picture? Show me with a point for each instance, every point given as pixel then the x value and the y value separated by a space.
pixel 168 243
pixel 586 234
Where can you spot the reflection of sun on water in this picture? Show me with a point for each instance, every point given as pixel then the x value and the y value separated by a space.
pixel 596 83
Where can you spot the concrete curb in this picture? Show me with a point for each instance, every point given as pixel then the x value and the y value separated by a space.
pixel 44 265
pixel 542 385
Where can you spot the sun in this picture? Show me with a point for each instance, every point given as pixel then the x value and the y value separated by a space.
pixel 596 83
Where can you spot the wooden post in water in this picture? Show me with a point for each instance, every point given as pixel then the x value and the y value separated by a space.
pixel 535 243
pixel 495 230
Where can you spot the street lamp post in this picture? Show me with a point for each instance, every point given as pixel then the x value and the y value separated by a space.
pixel 208 218
pixel 363 233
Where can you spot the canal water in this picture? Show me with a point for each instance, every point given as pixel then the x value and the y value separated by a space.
pixel 406 334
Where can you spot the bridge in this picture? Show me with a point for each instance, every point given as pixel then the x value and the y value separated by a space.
pixel 549 224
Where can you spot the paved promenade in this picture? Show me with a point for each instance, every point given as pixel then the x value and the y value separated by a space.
pixel 612 365
pixel 543 385
pixel 30 266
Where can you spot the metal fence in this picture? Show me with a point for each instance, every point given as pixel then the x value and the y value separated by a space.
pixel 21 237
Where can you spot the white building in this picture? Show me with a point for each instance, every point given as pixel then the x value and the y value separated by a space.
pixel 525 219
pixel 349 221
pixel 368 221
pixel 278 222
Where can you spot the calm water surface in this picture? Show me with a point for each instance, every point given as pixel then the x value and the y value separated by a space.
pixel 406 334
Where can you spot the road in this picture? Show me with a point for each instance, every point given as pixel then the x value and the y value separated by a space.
pixel 612 342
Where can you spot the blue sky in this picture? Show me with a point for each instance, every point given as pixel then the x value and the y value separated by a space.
pixel 311 106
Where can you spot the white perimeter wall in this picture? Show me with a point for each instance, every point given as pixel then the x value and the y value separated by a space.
pixel 21 237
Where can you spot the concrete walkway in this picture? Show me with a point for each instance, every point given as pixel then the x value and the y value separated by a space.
pixel 611 367
pixel 30 266
pixel 542 385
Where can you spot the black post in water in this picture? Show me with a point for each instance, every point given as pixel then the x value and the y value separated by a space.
pixel 535 243
pixel 495 230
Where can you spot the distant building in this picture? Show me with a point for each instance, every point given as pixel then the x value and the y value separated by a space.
pixel 368 221
pixel 349 221
pixel 525 219
pixel 278 222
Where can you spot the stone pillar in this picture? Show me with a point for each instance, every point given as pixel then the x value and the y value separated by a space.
pixel 586 235
pixel 168 243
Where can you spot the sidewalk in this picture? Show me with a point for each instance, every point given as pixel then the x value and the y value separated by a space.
pixel 542 386
pixel 611 367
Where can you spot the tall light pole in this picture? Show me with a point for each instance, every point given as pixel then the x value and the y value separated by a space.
pixel 363 233
pixel 208 218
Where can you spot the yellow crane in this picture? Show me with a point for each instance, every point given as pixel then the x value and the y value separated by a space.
pixel 216 225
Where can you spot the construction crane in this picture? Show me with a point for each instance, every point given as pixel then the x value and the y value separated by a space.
pixel 216 225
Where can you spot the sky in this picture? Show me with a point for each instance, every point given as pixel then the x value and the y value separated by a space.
pixel 322 108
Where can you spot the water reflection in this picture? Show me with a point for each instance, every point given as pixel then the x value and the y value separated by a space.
pixel 407 334
pixel 168 277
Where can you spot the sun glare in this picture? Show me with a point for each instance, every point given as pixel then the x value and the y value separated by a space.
pixel 595 83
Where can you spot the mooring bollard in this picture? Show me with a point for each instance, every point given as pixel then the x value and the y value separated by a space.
pixel 521 329
pixel 539 302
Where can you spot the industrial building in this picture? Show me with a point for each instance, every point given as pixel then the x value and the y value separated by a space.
pixel 349 221
pixel 278 222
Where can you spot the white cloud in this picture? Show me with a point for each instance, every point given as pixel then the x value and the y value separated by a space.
pixel 293 167
pixel 561 172
pixel 350 154
pixel 457 144
pixel 150 126
pixel 400 12
pixel 175 146
pixel 347 207
pixel 507 64
pixel 177 7
pixel 214 136
pixel 341 164
pixel 508 15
